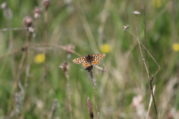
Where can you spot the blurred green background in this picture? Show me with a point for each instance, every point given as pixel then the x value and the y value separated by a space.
pixel 40 38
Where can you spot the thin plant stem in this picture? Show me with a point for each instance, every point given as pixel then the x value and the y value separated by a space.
pixel 144 61
pixel 150 102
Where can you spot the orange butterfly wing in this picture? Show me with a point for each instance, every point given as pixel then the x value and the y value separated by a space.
pixel 86 64
pixel 97 58
pixel 82 60
pixel 79 60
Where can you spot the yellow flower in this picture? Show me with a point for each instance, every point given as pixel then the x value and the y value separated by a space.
pixel 105 48
pixel 39 58
pixel 175 47
pixel 157 3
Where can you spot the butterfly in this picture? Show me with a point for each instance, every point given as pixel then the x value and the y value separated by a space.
pixel 89 60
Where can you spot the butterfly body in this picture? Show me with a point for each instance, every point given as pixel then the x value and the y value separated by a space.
pixel 89 60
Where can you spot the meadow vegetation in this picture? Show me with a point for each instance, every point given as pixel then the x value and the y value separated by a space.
pixel 137 79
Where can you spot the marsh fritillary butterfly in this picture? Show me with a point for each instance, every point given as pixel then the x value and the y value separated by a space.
pixel 89 60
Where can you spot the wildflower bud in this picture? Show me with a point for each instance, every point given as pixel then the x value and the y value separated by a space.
pixel 28 21
pixel 7 12
pixel 39 104
pixel 46 4
pixel 69 5
pixel 69 49
pixel 68 2
pixel 4 5
pixel 64 67
pixel 30 29
pixel 37 13
pixel 136 12
pixel 137 101
pixel 170 116
pixel 125 27
pixel 90 110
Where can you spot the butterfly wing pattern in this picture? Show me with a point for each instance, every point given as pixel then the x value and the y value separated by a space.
pixel 79 60
pixel 97 58
pixel 83 61
pixel 89 60
pixel 86 64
